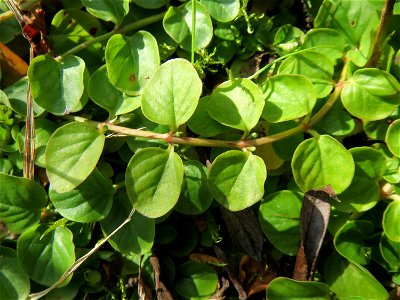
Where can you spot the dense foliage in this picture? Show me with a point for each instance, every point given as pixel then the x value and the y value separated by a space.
pixel 175 141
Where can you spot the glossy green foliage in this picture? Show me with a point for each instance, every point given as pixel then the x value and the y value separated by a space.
pixel 89 202
pixel 288 97
pixel 237 104
pixel 72 154
pixel 155 125
pixel 283 288
pixel 113 11
pixel 131 61
pixel 46 253
pixel 135 237
pixel 178 24
pixel 14 283
pixel 236 179
pixel 279 216
pixel 21 201
pixel 316 161
pixel 171 95
pixel 197 280
pixel 59 87
pixel 153 180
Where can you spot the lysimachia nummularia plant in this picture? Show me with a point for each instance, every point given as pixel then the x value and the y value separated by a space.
pixel 175 141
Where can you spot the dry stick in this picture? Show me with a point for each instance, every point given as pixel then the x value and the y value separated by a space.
pixel 80 261
pixel 386 14
pixel 29 149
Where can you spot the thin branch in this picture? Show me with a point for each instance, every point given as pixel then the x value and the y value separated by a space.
pixel 80 261
pixel 386 15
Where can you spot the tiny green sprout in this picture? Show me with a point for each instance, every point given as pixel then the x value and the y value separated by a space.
pixel 251 148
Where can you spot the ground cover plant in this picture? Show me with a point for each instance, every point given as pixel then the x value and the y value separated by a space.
pixel 205 149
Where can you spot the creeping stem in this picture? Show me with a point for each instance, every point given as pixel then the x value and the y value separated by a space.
pixel 306 124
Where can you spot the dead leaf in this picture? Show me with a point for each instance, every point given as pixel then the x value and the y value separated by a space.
pixel 161 289
pixel 314 220
pixel 245 231
pixel 12 65
pixel 205 258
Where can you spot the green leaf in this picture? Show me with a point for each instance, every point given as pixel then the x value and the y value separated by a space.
pixel 58 86
pixel 201 123
pixel 349 241
pixel 14 97
pixel 357 21
pixel 348 280
pixel 369 162
pixel 390 221
pixel 21 202
pixel 237 103
pixel 45 255
pixel 153 181
pixel 279 217
pixel 14 283
pixel 172 93
pixel 150 4
pixel 106 95
pixel 236 179
pixel 371 94
pixel 91 201
pixel 72 27
pixel 337 121
pixel 72 154
pixel 137 236
pixel 286 147
pixel 131 60
pixel 178 24
pixel 195 279
pixel 108 10
pixel 315 66
pixel 316 162
pixel 195 197
pixel 282 288
pixel 392 137
pixel 334 41
pixel 222 10
pixel 390 251
pixel 288 97
pixel 287 38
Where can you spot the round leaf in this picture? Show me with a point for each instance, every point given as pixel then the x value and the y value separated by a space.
pixel 337 121
pixel 58 86
pixel 89 202
pixel 288 97
pixel 392 138
pixel 106 95
pixel 131 60
pixel 390 221
pixel 282 288
pixel 236 179
pixel 371 94
pixel 315 66
pixel 14 283
pixel 171 95
pixel 222 10
pixel 150 4
pixel 21 202
pixel 195 279
pixel 349 241
pixel 316 162
pixel 137 236
pixel 201 122
pixel 72 154
pixel 153 181
pixel 108 10
pixel 45 255
pixel 349 280
pixel 279 217
pixel 195 196
pixel 390 251
pixel 237 103
pixel 178 24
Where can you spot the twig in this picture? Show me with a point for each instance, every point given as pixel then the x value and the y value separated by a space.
pixel 386 15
